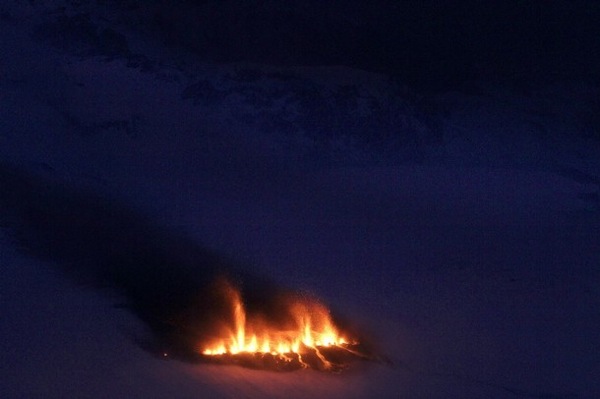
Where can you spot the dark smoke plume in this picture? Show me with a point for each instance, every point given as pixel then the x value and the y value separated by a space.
pixel 168 281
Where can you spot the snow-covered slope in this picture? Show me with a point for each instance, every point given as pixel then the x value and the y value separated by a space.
pixel 457 228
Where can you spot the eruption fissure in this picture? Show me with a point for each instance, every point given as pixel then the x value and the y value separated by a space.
pixel 174 285
pixel 305 328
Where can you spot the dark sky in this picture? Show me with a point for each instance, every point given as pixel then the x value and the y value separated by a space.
pixel 426 43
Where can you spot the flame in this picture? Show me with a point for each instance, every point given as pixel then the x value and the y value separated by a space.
pixel 308 326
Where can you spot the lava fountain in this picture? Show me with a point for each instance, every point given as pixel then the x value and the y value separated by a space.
pixel 299 332
pixel 177 288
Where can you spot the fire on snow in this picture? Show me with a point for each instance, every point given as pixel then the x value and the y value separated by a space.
pixel 306 327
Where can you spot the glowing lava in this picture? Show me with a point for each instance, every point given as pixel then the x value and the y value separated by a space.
pixel 306 327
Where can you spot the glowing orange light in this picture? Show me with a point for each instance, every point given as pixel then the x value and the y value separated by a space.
pixel 309 327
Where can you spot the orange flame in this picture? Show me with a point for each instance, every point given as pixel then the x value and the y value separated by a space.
pixel 309 326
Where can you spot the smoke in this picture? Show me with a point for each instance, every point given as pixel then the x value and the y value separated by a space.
pixel 163 275
pixel 170 282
